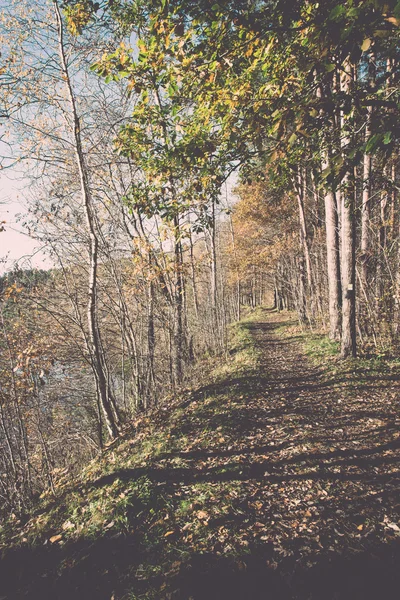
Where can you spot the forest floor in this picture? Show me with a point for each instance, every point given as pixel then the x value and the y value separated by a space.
pixel 277 480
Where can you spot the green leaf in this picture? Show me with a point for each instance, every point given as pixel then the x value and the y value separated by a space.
pixel 353 12
pixel 326 172
pixel 387 137
pixel 337 12
pixel 172 88
pixel 373 143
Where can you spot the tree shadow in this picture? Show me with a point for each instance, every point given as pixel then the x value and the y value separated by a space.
pixel 361 577
pixel 110 568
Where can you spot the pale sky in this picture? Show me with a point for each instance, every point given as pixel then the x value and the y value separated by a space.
pixel 16 246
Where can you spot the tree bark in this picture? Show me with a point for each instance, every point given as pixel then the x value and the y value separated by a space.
pixel 332 236
pixel 348 345
pixel 304 237
pixel 214 275
pixel 106 400
pixel 178 308
pixel 194 278
pixel 367 186
pixel 333 265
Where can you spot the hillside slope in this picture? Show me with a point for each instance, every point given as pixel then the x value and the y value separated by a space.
pixel 279 479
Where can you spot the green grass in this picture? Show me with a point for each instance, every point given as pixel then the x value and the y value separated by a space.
pixel 243 353
pixel 320 347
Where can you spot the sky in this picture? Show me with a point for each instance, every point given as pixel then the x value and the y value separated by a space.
pixel 17 247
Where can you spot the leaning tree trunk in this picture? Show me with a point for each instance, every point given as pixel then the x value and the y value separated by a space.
pixel 106 400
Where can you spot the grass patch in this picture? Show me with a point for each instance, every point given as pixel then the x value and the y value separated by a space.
pixel 243 354
pixel 320 347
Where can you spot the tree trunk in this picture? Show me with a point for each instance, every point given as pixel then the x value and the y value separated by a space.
pixel 333 265
pixel 150 333
pixel 332 238
pixel 194 278
pixel 106 401
pixel 178 308
pixel 348 346
pixel 380 291
pixel 238 285
pixel 304 237
pixel 214 276
pixel 367 186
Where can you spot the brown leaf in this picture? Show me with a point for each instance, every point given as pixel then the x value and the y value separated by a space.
pixel 55 538
pixel 393 20
pixel 202 515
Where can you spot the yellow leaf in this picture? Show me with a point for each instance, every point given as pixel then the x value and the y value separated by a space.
pixel 169 533
pixel 366 44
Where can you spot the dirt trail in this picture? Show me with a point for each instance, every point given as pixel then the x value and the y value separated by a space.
pixel 347 418
pixel 316 450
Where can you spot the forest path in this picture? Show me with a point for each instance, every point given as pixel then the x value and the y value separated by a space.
pixel 304 462
pixel 316 445
pixel 278 480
